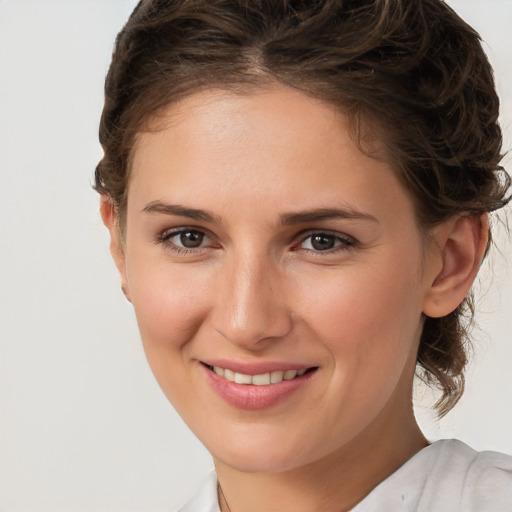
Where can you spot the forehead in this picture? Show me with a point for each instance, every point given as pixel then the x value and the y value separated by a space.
pixel 238 116
pixel 243 112
pixel 276 144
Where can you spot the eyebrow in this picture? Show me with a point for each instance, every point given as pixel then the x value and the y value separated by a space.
pixel 286 219
pixel 182 211
pixel 320 214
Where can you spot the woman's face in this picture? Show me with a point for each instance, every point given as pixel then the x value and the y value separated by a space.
pixel 278 277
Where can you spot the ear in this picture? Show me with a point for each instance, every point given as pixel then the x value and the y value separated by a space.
pixel 460 244
pixel 109 216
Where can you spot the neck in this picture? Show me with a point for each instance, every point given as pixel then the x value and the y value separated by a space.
pixel 335 483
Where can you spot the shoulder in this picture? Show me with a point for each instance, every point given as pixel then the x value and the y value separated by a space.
pixel 447 475
pixel 205 498
pixel 483 480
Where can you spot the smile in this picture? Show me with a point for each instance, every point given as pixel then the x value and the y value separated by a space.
pixel 258 385
pixel 263 379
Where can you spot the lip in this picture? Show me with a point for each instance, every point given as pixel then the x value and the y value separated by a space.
pixel 250 397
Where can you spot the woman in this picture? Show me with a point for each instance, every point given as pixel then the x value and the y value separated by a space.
pixel 297 195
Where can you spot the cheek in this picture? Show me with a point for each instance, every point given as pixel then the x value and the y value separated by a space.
pixel 170 305
pixel 370 326
pixel 368 318
pixel 167 310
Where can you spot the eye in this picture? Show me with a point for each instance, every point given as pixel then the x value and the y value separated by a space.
pixel 325 242
pixel 185 239
pixel 189 239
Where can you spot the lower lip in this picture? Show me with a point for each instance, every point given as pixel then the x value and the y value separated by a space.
pixel 251 397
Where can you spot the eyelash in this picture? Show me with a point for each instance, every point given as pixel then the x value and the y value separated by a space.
pixel 342 243
pixel 165 239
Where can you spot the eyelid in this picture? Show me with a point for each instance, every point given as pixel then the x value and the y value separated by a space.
pixel 346 242
pixel 164 238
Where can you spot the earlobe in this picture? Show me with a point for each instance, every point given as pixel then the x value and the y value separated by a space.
pixel 460 243
pixel 109 217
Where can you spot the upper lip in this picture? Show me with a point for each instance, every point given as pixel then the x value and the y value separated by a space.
pixel 255 367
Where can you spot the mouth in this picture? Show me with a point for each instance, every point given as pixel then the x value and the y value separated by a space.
pixel 262 379
pixel 256 386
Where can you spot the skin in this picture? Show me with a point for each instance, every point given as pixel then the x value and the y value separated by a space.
pixel 257 289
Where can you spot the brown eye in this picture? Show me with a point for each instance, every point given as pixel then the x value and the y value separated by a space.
pixel 185 240
pixel 191 239
pixel 322 242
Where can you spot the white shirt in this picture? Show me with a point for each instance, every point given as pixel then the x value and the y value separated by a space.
pixel 447 476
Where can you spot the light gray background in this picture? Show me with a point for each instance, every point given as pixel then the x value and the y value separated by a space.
pixel 83 426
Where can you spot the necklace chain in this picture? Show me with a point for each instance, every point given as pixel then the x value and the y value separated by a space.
pixel 221 493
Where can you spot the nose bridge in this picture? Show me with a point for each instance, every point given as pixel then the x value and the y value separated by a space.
pixel 252 306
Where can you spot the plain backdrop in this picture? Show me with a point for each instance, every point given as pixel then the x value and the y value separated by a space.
pixel 83 425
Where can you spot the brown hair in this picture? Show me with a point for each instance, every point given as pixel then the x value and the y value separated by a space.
pixel 411 66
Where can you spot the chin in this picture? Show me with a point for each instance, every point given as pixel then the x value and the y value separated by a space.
pixel 261 456
pixel 258 461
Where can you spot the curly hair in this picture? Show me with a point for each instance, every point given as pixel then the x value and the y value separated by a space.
pixel 412 69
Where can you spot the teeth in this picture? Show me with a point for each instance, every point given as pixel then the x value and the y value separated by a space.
pixel 290 374
pixel 228 374
pixel 263 379
pixel 241 378
pixel 276 377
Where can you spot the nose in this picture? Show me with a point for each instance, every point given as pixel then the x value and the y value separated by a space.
pixel 251 305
